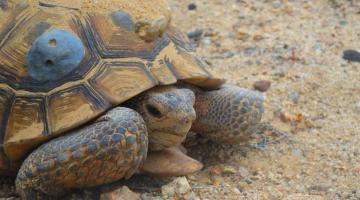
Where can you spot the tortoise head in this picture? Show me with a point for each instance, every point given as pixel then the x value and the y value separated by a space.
pixel 169 113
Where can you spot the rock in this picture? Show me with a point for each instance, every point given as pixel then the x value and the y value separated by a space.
pixel 262 85
pixel 294 96
pixel 258 38
pixel 242 185
pixel 168 191
pixel 229 54
pixel 318 48
pixel 217 180
pixel 280 73
pixel 201 177
pixel 222 169
pixel 195 34
pixel 276 4
pixel 251 51
pixel 320 187
pixel 215 170
pixel 123 193
pixel 227 169
pixel 357 107
pixel 343 23
pixel 243 36
pixel 3 4
pixel 356 194
pixel 351 55
pixel 192 6
pixel 297 152
pixel 179 188
pixel 243 172
pixel 287 117
pixel 236 191
pixel 146 196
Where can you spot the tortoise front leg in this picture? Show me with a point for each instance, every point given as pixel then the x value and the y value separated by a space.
pixel 227 115
pixel 111 148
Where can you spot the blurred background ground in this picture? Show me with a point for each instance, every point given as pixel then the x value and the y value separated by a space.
pixel 297 45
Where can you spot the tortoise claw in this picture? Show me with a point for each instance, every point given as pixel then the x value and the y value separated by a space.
pixel 170 162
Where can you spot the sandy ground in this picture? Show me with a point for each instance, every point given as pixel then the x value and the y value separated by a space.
pixel 315 94
pixel 297 45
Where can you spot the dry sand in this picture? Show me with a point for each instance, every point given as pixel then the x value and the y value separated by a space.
pixel 315 94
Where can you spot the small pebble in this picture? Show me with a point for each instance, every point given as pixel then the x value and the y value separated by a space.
pixel 229 54
pixel 276 4
pixel 227 169
pixel 146 196
pixel 236 191
pixel 195 34
pixel 217 180
pixel 258 38
pixel 206 41
pixel 251 51
pixel 179 188
pixel 297 152
pixel 343 23
pixel 294 96
pixel 243 36
pixel 192 6
pixel 3 4
pixel 215 170
pixel 318 48
pixel 121 193
pixel 280 73
pixel 320 187
pixel 357 107
pixel 351 55
pixel 262 85
pixel 243 172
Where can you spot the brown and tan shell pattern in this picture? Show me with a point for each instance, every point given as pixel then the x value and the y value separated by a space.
pixel 119 64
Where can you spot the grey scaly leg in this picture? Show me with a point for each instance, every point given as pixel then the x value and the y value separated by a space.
pixel 227 115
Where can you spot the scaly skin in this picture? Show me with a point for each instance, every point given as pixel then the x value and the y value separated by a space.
pixel 111 148
pixel 227 115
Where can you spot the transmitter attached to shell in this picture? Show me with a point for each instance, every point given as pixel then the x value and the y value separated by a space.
pixel 54 54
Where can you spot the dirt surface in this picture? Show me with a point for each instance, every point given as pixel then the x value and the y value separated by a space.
pixel 314 96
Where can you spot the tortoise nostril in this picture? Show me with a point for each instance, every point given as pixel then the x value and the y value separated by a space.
pixel 153 111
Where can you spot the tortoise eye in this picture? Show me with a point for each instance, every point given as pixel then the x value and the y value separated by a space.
pixel 153 111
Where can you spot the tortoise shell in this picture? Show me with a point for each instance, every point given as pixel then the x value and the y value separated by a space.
pixel 127 47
